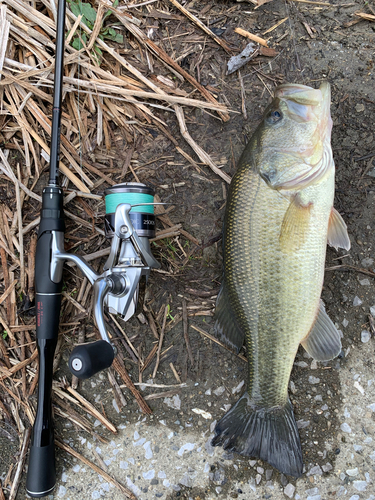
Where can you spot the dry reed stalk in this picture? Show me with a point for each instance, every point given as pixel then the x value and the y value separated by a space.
pixel 21 462
pixel 211 337
pixel 4 34
pixel 166 310
pixel 202 26
pixel 117 365
pixel 99 471
pixel 163 56
pixel 203 156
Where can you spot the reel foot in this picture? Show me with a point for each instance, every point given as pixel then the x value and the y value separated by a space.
pixel 88 359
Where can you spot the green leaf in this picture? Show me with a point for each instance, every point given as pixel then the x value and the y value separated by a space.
pixel 76 44
pixel 89 12
pixel 75 9
pixel 119 38
pixel 98 50
pixel 112 32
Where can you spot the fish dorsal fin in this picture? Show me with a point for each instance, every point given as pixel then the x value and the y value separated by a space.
pixel 337 236
pixel 323 342
pixel 295 225
pixel 226 327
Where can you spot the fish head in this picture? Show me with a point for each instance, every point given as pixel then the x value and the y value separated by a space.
pixel 291 146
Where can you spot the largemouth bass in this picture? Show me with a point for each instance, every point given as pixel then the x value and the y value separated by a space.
pixel 279 218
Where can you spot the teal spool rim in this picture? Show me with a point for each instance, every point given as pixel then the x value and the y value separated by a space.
pixel 112 200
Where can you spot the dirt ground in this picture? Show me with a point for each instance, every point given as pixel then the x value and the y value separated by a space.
pixel 313 44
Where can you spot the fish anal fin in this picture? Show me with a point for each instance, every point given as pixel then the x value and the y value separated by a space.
pixel 337 236
pixel 323 342
pixel 270 434
pixel 295 225
pixel 226 327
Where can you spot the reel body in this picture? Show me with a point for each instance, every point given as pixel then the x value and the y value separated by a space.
pixel 129 224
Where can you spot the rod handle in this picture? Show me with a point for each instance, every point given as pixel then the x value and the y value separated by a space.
pixel 41 475
pixel 88 359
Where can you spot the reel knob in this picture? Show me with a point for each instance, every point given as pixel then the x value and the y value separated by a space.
pixel 88 359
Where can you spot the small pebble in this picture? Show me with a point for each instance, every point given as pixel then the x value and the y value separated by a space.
pixel 367 262
pixel 302 424
pixel 345 428
pixel 185 447
pixel 357 301
pixel 269 473
pixel 365 282
pixel 354 497
pixel 289 490
pixel 352 472
pixel 360 108
pixel 149 474
pixel 372 311
pixel 360 485
pixel 238 387
pixel 314 380
pixel 219 391
pixel 314 364
pixel 258 478
pixel 292 387
pixel 357 447
pixel 358 386
pixel 327 467
pixel 303 364
pixel 365 336
pixel 283 480
pixel 345 323
pixel 260 470
pixel 252 463
pixel 315 471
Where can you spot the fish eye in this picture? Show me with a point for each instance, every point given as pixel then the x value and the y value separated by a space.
pixel 274 116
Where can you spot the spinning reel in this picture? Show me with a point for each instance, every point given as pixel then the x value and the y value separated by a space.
pixel 129 224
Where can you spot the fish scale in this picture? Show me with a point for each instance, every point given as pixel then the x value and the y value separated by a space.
pixel 278 218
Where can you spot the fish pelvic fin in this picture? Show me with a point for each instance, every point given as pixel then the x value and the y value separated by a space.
pixel 270 434
pixel 323 342
pixel 337 231
pixel 226 327
pixel 295 225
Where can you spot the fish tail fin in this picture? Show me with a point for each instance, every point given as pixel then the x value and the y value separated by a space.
pixel 270 434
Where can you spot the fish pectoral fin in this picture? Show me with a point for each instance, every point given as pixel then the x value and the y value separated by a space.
pixel 226 327
pixel 295 225
pixel 323 342
pixel 337 236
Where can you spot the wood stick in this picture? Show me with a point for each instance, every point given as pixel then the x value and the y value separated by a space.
pixel 166 310
pixel 252 37
pixel 129 384
pixel 186 331
pixel 211 337
pixel 97 469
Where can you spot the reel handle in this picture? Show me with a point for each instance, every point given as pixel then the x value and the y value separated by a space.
pixel 88 359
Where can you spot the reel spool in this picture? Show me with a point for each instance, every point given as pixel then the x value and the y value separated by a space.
pixel 142 216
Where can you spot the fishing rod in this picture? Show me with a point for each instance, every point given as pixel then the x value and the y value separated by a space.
pixel 129 224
